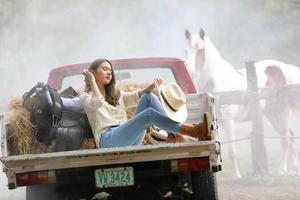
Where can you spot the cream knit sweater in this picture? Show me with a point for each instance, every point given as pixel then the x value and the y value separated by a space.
pixel 102 115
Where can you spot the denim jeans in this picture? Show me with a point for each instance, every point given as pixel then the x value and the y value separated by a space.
pixel 149 111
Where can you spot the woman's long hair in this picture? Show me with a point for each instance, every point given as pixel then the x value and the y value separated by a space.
pixel 112 94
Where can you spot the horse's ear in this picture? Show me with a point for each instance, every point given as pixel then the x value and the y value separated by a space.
pixel 202 34
pixel 187 34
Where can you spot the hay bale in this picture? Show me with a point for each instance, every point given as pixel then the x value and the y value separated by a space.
pixel 20 131
pixel 131 86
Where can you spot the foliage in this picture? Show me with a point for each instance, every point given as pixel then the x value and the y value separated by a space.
pixel 276 5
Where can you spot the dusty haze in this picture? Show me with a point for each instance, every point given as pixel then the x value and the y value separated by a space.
pixel 36 36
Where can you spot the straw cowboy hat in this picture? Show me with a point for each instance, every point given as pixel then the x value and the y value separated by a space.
pixel 173 100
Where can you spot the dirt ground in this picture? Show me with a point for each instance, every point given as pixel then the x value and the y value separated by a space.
pixel 249 187
pixel 257 188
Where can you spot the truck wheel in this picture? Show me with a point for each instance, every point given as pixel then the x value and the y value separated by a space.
pixel 204 185
pixel 45 192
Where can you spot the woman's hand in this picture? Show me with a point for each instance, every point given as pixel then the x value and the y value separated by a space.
pixel 90 79
pixel 157 82
pixel 88 76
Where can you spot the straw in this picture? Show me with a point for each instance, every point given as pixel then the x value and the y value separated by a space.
pixel 21 132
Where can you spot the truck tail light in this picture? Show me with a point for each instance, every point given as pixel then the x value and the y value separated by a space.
pixel 39 177
pixel 190 164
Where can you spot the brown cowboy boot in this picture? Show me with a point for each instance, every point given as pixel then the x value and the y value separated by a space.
pixel 200 130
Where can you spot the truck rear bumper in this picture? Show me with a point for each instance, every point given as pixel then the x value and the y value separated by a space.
pixel 24 164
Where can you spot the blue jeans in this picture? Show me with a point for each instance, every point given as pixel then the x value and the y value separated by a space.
pixel 149 111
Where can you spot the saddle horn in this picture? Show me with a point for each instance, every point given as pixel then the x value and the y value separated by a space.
pixel 202 34
pixel 187 34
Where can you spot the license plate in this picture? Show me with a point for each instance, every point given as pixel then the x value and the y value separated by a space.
pixel 114 177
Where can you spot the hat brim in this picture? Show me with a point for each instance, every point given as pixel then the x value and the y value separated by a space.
pixel 178 116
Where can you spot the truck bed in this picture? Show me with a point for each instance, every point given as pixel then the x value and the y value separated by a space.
pixel 196 104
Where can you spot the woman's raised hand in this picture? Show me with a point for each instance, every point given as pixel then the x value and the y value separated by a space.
pixel 156 83
pixel 88 76
pixel 90 79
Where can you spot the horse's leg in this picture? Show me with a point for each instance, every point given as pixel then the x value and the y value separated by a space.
pixel 229 129
pixel 285 151
pixel 278 114
pixel 293 156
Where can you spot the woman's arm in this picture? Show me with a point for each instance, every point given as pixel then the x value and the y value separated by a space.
pixel 91 102
pixel 151 86
pixel 132 98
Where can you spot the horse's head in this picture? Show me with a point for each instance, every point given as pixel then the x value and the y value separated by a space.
pixel 195 50
pixel 207 68
pixel 275 76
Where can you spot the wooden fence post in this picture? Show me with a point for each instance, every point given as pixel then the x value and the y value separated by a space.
pixel 258 149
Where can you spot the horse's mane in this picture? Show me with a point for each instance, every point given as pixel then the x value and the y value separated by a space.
pixel 218 70
pixel 211 53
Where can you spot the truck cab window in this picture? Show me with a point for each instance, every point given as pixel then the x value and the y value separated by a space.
pixel 140 75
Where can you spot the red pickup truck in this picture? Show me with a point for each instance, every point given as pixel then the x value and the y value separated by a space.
pixel 165 170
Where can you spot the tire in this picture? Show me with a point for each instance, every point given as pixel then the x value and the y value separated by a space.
pixel 45 192
pixel 204 185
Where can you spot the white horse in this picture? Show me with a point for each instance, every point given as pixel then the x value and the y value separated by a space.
pixel 211 73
